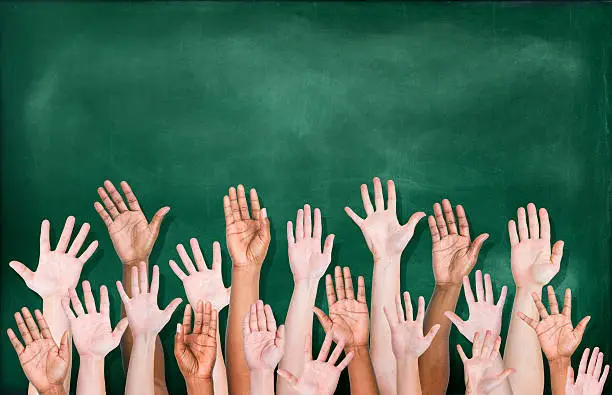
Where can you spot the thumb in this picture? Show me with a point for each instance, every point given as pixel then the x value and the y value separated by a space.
pixel 120 330
pixel 455 319
pixel 279 341
pixel 569 381
pixel 326 323
pixel 179 340
pixel 581 327
pixel 169 310
pixel 410 226
pixel 158 218
pixel 557 253
pixel 499 380
pixel 26 274
pixel 64 349
pixel 476 246
pixel 431 334
pixel 288 376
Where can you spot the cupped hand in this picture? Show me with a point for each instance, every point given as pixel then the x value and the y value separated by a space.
pixel 196 351
pixel 588 381
pixel 558 338
pixel 454 254
pixel 306 258
pixel 485 315
pixel 348 318
pixel 143 315
pixel 383 234
pixel 533 262
pixel 44 364
pixel 91 331
pixel 407 337
pixel 202 283
pixel 247 238
pixel 132 235
pixel 263 341
pixel 58 270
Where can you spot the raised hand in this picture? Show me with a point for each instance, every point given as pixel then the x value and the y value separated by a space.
pixel 196 351
pixel 558 338
pixel 485 315
pixel 320 376
pixel 480 371
pixel 533 262
pixel 348 320
pixel 263 341
pixel 454 254
pixel 143 315
pixel 247 238
pixel 202 283
pixel 132 235
pixel 588 381
pixel 44 364
pixel 91 331
pixel 382 231
pixel 58 270
pixel 306 259
pixel 407 334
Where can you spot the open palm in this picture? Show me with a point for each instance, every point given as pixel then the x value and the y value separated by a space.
pixel 263 341
pixel 590 380
pixel 196 351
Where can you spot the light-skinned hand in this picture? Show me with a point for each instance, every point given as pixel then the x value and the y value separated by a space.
pixel 132 235
pixel 196 351
pixel 44 364
pixel 348 319
pixel 480 371
pixel 202 283
pixel 320 376
pixel 60 269
pixel 381 229
pixel 454 254
pixel 485 315
pixel 588 381
pixel 91 331
pixel 143 315
pixel 263 341
pixel 558 338
pixel 533 262
pixel 247 238
pixel 407 337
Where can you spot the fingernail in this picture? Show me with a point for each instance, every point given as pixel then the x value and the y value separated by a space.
pixel 178 328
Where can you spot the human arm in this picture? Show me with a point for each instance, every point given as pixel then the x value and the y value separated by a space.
pixel 349 322
pixel 454 254
pixel 386 239
pixel 588 381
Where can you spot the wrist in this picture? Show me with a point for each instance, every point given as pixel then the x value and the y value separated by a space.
pixel 386 259
pixel 55 389
pixel 145 339
pixel 407 362
pixel 360 350
pixel 559 363
pixel 447 286
pixel 196 384
pixel 306 282
pixel 91 360
pixel 134 262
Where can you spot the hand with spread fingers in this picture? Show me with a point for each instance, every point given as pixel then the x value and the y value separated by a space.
pixel 480 371
pixel 590 380
pixel 132 235
pixel 58 270
pixel 196 350
pixel 44 364
pixel 306 259
pixel 485 314
pixel 263 341
pixel 247 237
pixel 320 376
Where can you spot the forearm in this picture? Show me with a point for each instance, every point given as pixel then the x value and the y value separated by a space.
pixel 90 380
pixel 245 292
pixel 408 382
pixel 385 287
pixel 58 325
pixel 361 373
pixel 558 375
pixel 219 373
pixel 262 382
pixel 435 362
pixel 523 353
pixel 298 325
pixel 140 378
pixel 200 387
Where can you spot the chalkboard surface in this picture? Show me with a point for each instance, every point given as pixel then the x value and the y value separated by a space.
pixel 492 106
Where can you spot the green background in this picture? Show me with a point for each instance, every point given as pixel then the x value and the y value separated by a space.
pixel 492 106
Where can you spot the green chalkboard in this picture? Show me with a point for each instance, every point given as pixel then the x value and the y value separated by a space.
pixel 490 105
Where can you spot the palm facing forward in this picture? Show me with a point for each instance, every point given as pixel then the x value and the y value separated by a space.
pixel 263 341
pixel 195 352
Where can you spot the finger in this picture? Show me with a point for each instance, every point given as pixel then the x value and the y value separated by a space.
pixel 489 298
pixel 30 323
pixel 212 328
pixel 135 285
pixel 502 298
pixel 567 304
pixel 143 278
pixel 409 227
pixel 324 352
pixel 328 245
pixel 333 358
pixel 454 318
pixel 253 318
pixel 581 327
pixel 431 334
pixel 79 240
pixel 15 342
pixel 604 375
pixel 479 288
pixel 433 229
pixel 500 379
pixel 122 294
pixel 409 311
pixel 197 254
pixel 464 358
pixel 339 283
pixel 216 263
pixel 450 216
pixel 26 274
pixel 187 314
pixel 393 322
pixel 67 310
pixel 246 329
pixel 227 211
pixel 186 259
pixel 104 301
pixel 356 219
pixel 90 303
pixel 598 365
pixel 552 301
pixel 261 316
pixel 45 244
pixel 242 203
pixel 64 347
pixel 391 196
pixel 270 321
pixel 233 196
pixel 476 246
pixel 530 321
pixel 487 346
pixel 598 357
pixel 399 311
pixel 464 226
pixel 199 317
pixel 207 318
pixel 65 236
pixel 592 361
pixel 534 226
pixel 582 368
pixel 379 200
pixel 291 379
pixel 539 305
pixel 108 203
pixel 155 282
pixel 290 237
pixel 522 224
pixel 346 361
pixel 177 270
pixel 42 323
pixel 129 195
pixel 255 207
pixel 440 222
pixel 317 229
pixel 348 283
pixel 158 218
pixel 365 197
pixel 76 303
pixel 325 321
pixel 557 253
pixel 307 221
pixel 477 345
pixel 88 252
pixel 299 225
pixel 569 381
pixel 108 221
pixel 23 329
pixel 421 311
pixel 329 290
pixel 169 310
pixel 544 224
pixel 467 291
pixel 279 340
pixel 119 330
pixel 117 199
pixel 514 237
pixel 361 291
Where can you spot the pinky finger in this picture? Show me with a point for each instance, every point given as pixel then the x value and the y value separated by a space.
pixel 19 347
pixel 604 375
pixel 461 353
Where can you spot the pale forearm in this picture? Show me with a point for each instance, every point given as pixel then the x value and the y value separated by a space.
pixel 140 378
pixel 90 380
pixel 408 382
pixel 523 353
pixel 558 375
pixel 385 287
pixel 262 382
pixel 219 372
pixel 58 325
pixel 435 362
pixel 361 373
